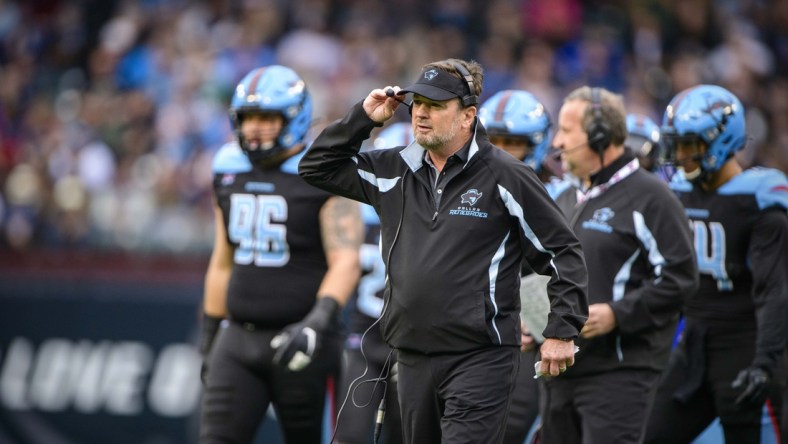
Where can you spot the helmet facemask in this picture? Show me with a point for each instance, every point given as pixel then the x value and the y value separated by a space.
pixel 260 144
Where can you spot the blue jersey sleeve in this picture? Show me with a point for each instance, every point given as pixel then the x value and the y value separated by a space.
pixel 773 191
pixel 769 186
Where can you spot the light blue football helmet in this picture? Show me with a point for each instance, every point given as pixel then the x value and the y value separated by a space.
pixel 643 138
pixel 395 134
pixel 709 113
pixel 517 113
pixel 273 89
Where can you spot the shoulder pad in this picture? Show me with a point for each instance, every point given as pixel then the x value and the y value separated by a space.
pixel 679 183
pixel 290 166
pixel 769 186
pixel 230 159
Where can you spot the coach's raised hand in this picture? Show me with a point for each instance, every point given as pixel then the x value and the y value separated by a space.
pixel 379 106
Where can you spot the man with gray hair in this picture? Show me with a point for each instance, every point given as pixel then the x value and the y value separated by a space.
pixel 640 260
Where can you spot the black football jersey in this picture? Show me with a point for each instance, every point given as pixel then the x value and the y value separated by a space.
pixel 369 294
pixel 271 218
pixel 731 227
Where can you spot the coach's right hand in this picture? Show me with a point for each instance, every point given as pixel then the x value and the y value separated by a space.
pixel 379 106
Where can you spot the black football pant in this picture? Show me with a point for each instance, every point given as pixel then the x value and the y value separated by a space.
pixel 242 382
pixel 456 398
pixel 605 408
pixel 725 353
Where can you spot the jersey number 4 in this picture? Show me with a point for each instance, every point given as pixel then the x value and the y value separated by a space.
pixel 710 251
pixel 257 226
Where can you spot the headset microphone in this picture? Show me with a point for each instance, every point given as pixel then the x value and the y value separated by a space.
pixel 557 156
pixel 390 92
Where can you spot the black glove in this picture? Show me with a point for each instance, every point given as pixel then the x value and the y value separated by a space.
pixel 210 326
pixel 297 343
pixel 754 381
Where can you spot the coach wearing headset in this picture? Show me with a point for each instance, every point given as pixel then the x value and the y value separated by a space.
pixel 457 218
pixel 638 249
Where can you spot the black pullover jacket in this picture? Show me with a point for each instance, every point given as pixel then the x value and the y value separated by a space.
pixel 454 263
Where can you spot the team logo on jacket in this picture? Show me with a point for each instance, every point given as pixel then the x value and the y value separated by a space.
pixel 599 220
pixel 431 74
pixel 467 201
pixel 471 197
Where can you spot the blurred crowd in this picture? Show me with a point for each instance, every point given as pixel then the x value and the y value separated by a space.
pixel 111 111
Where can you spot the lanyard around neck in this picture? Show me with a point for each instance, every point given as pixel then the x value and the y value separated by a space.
pixel 620 175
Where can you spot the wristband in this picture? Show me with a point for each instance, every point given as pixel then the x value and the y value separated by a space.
pixel 210 325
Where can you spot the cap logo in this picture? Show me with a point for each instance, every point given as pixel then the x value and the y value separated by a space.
pixel 431 74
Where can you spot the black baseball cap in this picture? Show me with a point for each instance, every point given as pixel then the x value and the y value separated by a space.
pixel 437 84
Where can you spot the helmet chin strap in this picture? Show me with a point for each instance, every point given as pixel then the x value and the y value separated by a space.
pixel 254 146
pixel 691 176
pixel 698 176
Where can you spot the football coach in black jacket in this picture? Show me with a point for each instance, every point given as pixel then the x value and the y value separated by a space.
pixel 641 265
pixel 458 217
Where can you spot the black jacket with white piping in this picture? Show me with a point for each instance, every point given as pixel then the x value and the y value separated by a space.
pixel 454 267
pixel 641 261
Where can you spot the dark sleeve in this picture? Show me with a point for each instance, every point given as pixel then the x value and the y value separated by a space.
pixel 551 249
pixel 332 163
pixel 664 232
pixel 768 257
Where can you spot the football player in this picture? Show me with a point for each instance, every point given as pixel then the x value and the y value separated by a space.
pixel 731 353
pixel 284 262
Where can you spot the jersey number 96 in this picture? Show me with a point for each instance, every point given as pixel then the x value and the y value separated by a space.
pixel 257 227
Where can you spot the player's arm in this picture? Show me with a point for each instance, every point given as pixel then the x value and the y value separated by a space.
pixel 216 279
pixel 769 265
pixel 342 231
pixel 219 268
